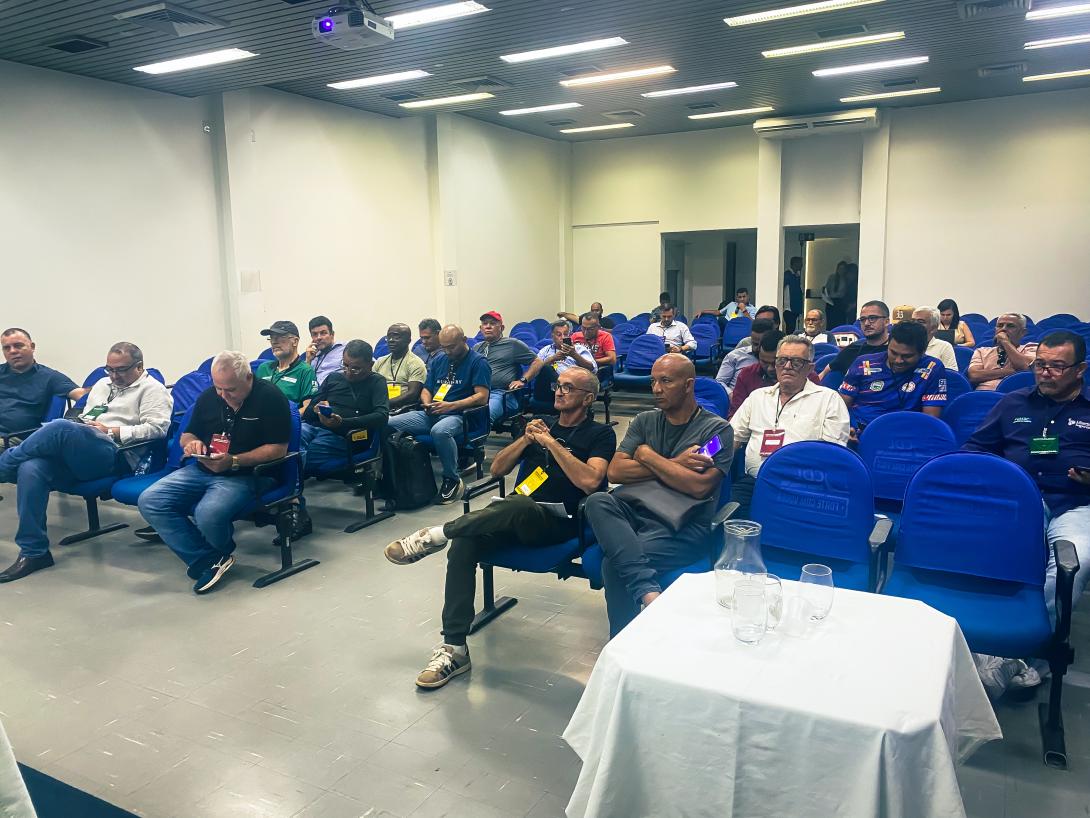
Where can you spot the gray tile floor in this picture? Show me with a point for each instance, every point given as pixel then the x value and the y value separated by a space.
pixel 298 700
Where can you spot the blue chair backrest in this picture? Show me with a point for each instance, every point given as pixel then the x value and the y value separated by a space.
pixel 969 317
pixel 174 447
pixel 825 349
pixel 824 361
pixel 711 395
pixel 964 356
pixel 967 412
pixel 472 342
pixel 681 317
pixel 526 336
pixel 735 330
pixel 57 407
pixel 540 344
pixel 833 379
pixel 642 354
pixel 1019 380
pixel 956 386
pixel 815 497
pixel 624 335
pixel 381 348
pixel 188 388
pixel 643 321
pixel 1062 320
pixel 617 318
pixel 895 445
pixel 540 327
pixel 846 332
pixel 206 366
pixel 419 351
pixel 705 319
pixel 976 514
pixel 706 336
pixel 266 355
pixel 522 325
pixel 255 365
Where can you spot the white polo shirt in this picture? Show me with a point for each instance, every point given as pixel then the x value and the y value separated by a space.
pixel 815 413
pixel 944 351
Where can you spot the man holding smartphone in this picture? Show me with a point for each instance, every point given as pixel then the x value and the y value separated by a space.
pixel 554 359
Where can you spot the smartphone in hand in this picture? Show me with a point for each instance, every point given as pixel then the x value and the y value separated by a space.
pixel 712 447
pixel 325 411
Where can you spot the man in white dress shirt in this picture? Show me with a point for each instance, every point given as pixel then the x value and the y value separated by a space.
pixel 674 334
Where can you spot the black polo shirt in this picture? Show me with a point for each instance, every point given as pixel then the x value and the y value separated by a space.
pixel 25 396
pixel 264 418
pixel 588 439
pixel 846 357
pixel 362 404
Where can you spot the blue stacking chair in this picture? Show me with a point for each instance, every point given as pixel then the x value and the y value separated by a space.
pixel 964 356
pixel 824 361
pixel 711 395
pixel 524 326
pixel 605 390
pixel 1019 380
pixel 541 327
pixel 821 350
pixel 814 502
pixel 617 318
pixel 895 446
pixel 266 355
pixel 956 386
pixel 206 366
pixel 471 440
pixel 623 336
pixel 642 354
pixel 833 379
pixel 526 336
pixel 840 335
pixel 987 568
pixel 681 317
pixel 360 468
pixel 1061 320
pixel 381 348
pixel 707 343
pixel 706 319
pixel 419 351
pixel 970 317
pixel 965 414
pixel 541 343
pixel 735 330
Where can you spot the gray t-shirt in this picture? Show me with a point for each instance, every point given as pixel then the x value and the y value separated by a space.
pixel 506 356
pixel 668 440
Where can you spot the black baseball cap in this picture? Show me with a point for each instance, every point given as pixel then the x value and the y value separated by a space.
pixel 282 328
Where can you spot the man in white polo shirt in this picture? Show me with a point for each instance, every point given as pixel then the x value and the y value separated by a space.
pixel 794 409
pixel 674 334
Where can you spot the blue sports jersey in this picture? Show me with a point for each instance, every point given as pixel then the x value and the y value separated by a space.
pixel 474 370
pixel 875 390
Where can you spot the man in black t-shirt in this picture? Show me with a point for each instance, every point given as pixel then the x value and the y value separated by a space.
pixel 874 321
pixel 563 460
pixel 237 424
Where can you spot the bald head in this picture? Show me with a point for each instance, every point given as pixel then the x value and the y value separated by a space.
pixel 452 341
pixel 672 380
pixel 677 364
pixel 398 339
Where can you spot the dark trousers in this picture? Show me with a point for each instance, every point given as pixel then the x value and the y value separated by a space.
pixel 516 519
pixel 637 548
pixel 741 492
pixel 790 322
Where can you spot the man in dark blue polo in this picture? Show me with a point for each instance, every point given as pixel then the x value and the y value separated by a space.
pixel 458 379
pixel 26 386
pixel 900 379
pixel 1045 429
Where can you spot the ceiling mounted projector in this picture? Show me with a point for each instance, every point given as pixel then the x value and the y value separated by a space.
pixel 351 27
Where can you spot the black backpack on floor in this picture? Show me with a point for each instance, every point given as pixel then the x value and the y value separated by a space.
pixel 408 480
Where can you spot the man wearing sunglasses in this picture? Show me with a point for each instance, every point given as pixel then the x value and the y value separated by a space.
pixel 874 322
pixel 1045 429
pixel 126 408
pixel 562 461
pixel 990 365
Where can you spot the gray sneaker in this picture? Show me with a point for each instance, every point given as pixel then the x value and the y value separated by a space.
pixel 445 664
pixel 414 547
pixel 996 673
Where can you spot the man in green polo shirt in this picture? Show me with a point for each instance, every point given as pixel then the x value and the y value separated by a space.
pixel 290 372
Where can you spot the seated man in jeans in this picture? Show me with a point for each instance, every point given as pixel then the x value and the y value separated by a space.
pixel 458 379
pixel 238 423
pixel 127 406
pixel 355 400
pixel 571 454
pixel 507 357
pixel 661 446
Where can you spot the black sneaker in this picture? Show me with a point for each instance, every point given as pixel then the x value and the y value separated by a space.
pixel 213 574
pixel 451 490
pixel 148 534
pixel 300 523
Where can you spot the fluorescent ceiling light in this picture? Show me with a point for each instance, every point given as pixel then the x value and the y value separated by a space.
pixel 764 109
pixel 429 103
pixel 832 45
pixel 561 50
pixel 1058 11
pixel 381 79
pixel 891 94
pixel 196 61
pixel 560 106
pixel 637 73
pixel 869 66
pixel 434 14
pixel 1071 39
pixel 590 128
pixel 691 89
pixel 1059 75
pixel 795 11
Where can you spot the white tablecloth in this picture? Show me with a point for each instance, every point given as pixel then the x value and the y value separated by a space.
pixel 14 800
pixel 867 716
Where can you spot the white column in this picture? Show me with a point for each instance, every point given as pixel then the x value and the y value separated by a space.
pixel 444 217
pixel 769 224
pixel 872 213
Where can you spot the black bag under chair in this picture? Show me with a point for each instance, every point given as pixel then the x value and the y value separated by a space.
pixel 408 481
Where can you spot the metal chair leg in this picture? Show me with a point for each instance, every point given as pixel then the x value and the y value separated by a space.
pixel 1051 719
pixel 94 529
pixel 492 607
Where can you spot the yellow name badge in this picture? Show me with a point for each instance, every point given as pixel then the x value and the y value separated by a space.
pixel 393 390
pixel 441 392
pixel 533 482
pixel 359 434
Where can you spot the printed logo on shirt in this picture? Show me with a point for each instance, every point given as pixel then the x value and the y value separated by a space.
pixel 871 369
pixel 877 386
pixel 1022 419
pixel 909 387
pixel 925 371
pixel 1078 424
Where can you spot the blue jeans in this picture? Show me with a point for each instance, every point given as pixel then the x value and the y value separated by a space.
pixel 444 429
pixel 56 456
pixel 320 447
pixel 498 407
pixel 192 510
pixel 1073 526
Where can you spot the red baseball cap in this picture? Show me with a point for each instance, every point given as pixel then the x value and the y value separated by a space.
pixel 495 316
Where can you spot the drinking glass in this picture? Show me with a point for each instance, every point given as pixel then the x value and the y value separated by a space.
pixel 750 611
pixel 796 617
pixel 817 589
pixel 773 599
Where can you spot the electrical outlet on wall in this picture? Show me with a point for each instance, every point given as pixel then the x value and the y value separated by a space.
pixel 450 278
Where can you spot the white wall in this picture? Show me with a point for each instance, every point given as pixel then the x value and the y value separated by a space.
pixel 989 203
pixel 704 262
pixel 822 176
pixel 619 265
pixel 107 221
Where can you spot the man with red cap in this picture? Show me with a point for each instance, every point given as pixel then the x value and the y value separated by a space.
pixel 507 357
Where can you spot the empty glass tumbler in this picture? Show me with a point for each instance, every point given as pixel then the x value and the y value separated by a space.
pixel 749 612
pixel 817 589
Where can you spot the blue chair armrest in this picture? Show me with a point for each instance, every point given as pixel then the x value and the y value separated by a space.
pixel 725 513
pixel 484 424
pixel 880 533
pixel 474 490
pixel 23 434
pixel 1067 565
pixel 263 469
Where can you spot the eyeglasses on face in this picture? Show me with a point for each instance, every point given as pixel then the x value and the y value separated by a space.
pixel 117 370
pixel 1055 367
pixel 792 363
pixel 353 370
pixel 870 319
pixel 566 388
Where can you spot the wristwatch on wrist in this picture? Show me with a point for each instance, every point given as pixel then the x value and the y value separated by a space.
pixel 234 463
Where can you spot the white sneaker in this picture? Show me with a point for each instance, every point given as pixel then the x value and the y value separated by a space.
pixel 446 663
pixel 1026 677
pixel 414 547
pixel 996 673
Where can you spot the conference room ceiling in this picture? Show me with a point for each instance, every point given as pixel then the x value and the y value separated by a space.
pixel 689 35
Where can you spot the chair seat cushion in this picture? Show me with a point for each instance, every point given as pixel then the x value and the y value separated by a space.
pixel 788 565
pixel 631 379
pixel 997 617
pixel 90 488
pixel 127 490
pixel 536 559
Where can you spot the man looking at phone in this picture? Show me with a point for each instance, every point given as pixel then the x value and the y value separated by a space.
pixel 563 460
pixel 794 408
pixel 238 423
pixel 659 518
pixel 674 334
pixel 553 359
pixel 458 379
pixel 350 402
pixel 324 353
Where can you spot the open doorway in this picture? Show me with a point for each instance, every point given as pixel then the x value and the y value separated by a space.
pixel 702 268
pixel 830 271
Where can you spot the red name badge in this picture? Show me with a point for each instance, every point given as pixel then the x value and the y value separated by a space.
pixel 772 440
pixel 219 444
